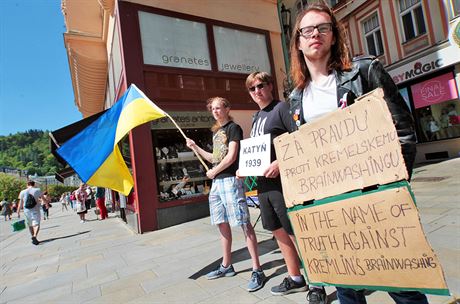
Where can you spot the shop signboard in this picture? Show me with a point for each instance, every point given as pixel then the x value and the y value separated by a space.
pixel 435 90
pixel 371 240
pixel 184 120
pixel 174 42
pixel 240 51
pixel 434 61
pixel 348 149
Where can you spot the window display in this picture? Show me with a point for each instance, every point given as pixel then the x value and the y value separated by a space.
pixel 180 174
pixel 436 108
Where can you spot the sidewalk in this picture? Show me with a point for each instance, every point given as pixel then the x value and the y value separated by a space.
pixel 105 262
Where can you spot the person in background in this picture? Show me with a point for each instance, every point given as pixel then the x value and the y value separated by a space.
pixel 227 203
pixel 326 79
pixel 46 204
pixel 33 214
pixel 73 199
pixel 15 206
pixel 63 202
pixel 273 118
pixel 89 197
pixel 5 209
pixel 100 202
pixel 81 197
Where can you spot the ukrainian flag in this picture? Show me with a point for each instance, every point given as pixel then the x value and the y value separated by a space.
pixel 94 154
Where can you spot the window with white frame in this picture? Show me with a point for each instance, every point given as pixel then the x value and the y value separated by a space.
pixel 373 35
pixel 412 17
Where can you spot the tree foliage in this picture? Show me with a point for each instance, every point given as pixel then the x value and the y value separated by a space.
pixel 10 187
pixel 28 151
pixel 55 191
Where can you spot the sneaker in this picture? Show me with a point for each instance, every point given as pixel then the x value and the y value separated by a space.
pixel 221 272
pixel 35 241
pixel 316 296
pixel 257 280
pixel 82 221
pixel 289 286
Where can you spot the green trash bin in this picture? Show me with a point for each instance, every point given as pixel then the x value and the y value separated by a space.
pixel 18 225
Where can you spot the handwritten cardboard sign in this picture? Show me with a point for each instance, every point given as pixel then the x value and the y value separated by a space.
pixel 254 155
pixel 372 241
pixel 347 149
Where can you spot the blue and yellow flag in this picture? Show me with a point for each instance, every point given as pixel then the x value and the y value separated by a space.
pixel 94 154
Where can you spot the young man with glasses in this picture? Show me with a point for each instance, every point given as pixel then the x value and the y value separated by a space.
pixel 326 79
pixel 273 118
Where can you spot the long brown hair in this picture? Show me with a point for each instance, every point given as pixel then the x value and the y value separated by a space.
pixel 223 101
pixel 340 58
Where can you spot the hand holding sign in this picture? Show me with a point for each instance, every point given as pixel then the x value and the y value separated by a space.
pixel 254 156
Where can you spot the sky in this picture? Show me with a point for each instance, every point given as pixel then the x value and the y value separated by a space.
pixel 35 84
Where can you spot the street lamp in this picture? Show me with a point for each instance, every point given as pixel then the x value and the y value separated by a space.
pixel 286 21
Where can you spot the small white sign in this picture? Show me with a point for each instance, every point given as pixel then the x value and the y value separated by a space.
pixel 254 155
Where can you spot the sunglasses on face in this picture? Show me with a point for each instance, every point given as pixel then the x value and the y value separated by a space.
pixel 322 28
pixel 260 86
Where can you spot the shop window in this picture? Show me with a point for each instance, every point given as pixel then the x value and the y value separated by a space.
pixel 412 18
pixel 180 174
pixel 240 51
pixel 437 108
pixel 373 36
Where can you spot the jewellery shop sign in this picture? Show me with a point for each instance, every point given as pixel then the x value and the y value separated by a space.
pixel 348 237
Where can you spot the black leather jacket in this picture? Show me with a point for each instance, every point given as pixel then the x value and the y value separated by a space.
pixel 366 75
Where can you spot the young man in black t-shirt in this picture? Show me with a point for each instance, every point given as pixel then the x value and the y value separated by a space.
pixel 273 118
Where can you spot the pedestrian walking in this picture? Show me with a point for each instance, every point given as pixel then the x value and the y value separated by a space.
pixel 28 199
pixel 63 202
pixel 227 203
pixel 81 196
pixel 100 202
pixel 326 79
pixel 5 208
pixel 46 205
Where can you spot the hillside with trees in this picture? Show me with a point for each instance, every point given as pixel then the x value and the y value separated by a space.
pixel 28 151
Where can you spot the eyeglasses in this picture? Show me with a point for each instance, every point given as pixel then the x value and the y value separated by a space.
pixel 322 28
pixel 260 86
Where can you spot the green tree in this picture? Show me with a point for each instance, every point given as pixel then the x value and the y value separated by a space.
pixel 10 187
pixel 56 191
pixel 28 151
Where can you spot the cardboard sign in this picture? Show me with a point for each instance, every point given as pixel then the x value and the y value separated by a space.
pixel 373 241
pixel 254 155
pixel 347 149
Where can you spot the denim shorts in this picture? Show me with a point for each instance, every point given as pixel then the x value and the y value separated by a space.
pixel 227 203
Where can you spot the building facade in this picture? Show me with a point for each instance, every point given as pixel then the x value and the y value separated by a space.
pixel 411 38
pixel 180 53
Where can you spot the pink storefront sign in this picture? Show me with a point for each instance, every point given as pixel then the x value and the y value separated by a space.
pixel 434 91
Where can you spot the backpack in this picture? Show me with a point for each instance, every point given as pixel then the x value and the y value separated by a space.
pixel 30 201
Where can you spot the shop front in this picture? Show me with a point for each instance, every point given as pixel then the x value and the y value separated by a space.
pixel 179 61
pixel 429 84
